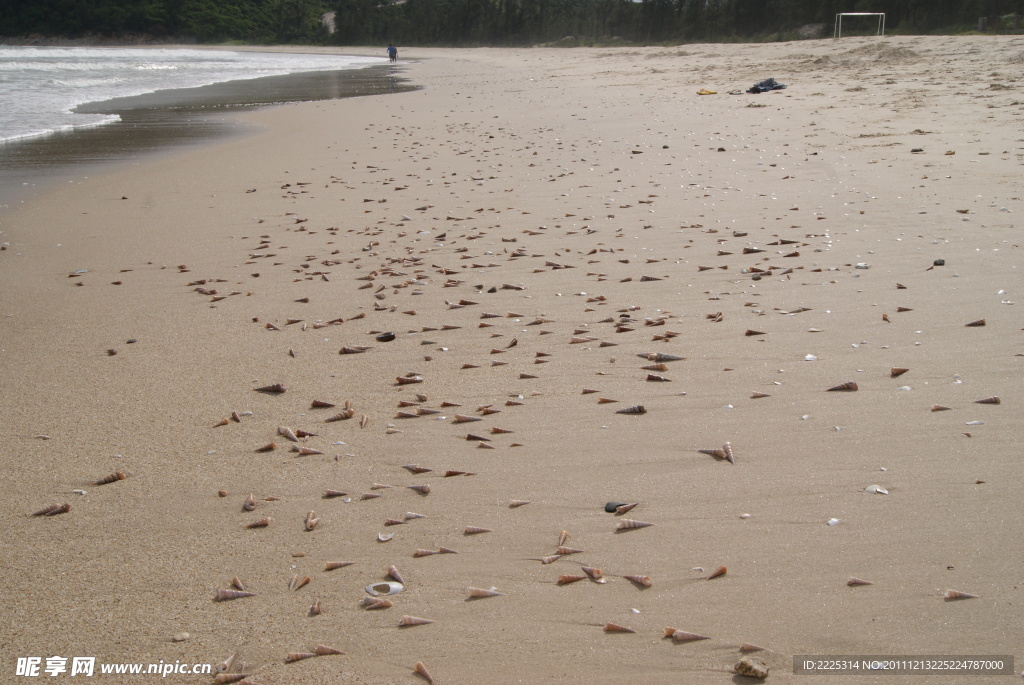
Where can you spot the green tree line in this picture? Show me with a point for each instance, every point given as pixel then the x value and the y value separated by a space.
pixel 480 22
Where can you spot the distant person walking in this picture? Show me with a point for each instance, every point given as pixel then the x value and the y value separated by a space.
pixel 392 53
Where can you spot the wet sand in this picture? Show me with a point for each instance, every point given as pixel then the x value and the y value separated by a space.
pixel 531 226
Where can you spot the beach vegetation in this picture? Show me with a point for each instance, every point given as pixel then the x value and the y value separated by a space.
pixel 565 23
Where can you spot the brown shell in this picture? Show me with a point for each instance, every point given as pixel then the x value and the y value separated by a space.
pixel 974 324
pixel 112 478
pixel 683 636
pixel 718 572
pixel 262 523
pixel 616 628
pixel 421 489
pixel 423 553
pixel 594 573
pixel 299 656
pixel 636 409
pixel 392 572
pixel 988 400
pixel 849 386
pixel 644 581
pixel 897 371
pixel 331 565
pixel 474 530
pixel 421 670
pixel 371 603
pixel 956 594
pixel 567 578
pixel 225 595
pixel 323 650
pixel 476 592
pixel 275 389
pixel 53 510
pixel 857 581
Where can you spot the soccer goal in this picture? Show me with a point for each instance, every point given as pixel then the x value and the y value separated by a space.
pixel 838 30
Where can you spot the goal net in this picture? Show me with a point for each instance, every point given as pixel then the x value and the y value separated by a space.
pixel 879 30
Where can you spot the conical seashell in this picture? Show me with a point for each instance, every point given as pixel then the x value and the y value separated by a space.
pixel 616 628
pixel 328 494
pixel 463 418
pixel 311 521
pixel 500 431
pixel 226 665
pixel 320 404
pixel 518 503
pixel 276 389
pixel 286 432
pixel 594 573
pixel 226 678
pixel 720 571
pixel 298 583
pixel 305 434
pixel 563 537
pixel 897 371
pixel 451 473
pixel 752 333
pixel 237 584
pixel 421 670
pixel 225 595
pixel 331 565
pixel 629 524
pixel 717 454
pixel 424 411
pixel 565 579
pixel 486 446
pixel 446 550
pixel 371 603
pixel 655 367
pixel 112 478
pixel 408 380
pixel 751 667
pixel 988 400
pixel 683 636
pixel 53 510
pixel 323 650
pixel 410 515
pixel 605 400
pixel 250 503
pixel 849 386
pixel 370 495
pixel 473 530
pixel 857 581
pixel 940 407
pixel 222 422
pixel 393 522
pixel 956 594
pixel 636 409
pixel 564 551
pixel 406 415
pixel 340 416
pixel 305 451
pixel 624 508
pixel 424 553
pixel 551 559
pixel 979 322
pixel 421 489
pixel 380 486
pixel 730 457
pixel 269 447
pixel 262 523
pixel 406 621
pixel 299 656
pixel 747 647
pixel 645 581
pixel 758 395
pixel 393 573
pixel 476 592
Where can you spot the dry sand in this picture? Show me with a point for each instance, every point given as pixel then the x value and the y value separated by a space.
pixel 571 175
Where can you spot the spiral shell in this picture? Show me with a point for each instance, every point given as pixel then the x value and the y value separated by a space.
pixel 630 524
pixel 420 669
pixel 476 592
pixel 53 510
pixel 275 389
pixel 616 628
pixel 636 409
pixel 299 656
pixel 413 621
pixel 226 595
pixel 683 636
pixel 949 595
pixel 112 478
pixel 720 571
pixel 849 386
pixel 331 565
pixel 644 581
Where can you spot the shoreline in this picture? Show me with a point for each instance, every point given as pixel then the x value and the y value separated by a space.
pixel 527 226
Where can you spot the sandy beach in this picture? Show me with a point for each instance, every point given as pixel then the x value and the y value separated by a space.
pixel 551 236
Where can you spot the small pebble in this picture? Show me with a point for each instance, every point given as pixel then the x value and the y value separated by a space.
pixel 180 637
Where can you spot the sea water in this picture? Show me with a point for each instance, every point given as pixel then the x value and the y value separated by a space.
pixel 40 87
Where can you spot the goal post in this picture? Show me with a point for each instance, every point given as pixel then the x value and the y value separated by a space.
pixel 838 30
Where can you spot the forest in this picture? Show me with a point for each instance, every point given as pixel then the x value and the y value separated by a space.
pixel 485 22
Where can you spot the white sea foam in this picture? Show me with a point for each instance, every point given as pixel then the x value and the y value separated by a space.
pixel 40 87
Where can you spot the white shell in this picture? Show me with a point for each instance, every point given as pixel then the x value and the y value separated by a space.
pixel 833 522
pixel 876 490
pixel 386 588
